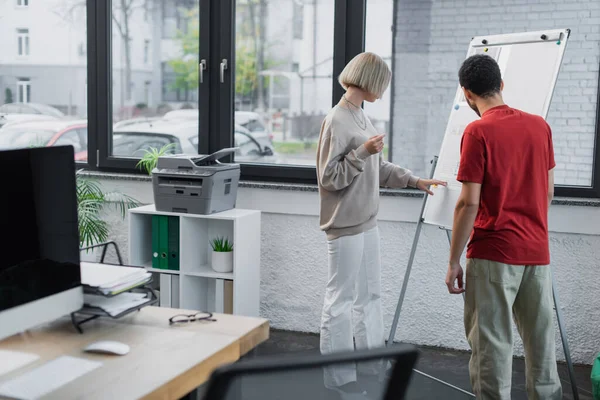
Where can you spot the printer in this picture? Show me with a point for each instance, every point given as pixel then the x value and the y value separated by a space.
pixel 195 184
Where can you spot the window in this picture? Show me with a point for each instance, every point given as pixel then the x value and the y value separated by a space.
pixel 46 76
pixel 24 91
pixel 146 10
pixel 23 42
pixel 430 43
pixel 275 81
pixel 81 50
pixel 291 104
pixel 298 20
pixel 146 51
pixel 137 95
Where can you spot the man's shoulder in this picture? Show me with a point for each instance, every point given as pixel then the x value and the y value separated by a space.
pixel 529 117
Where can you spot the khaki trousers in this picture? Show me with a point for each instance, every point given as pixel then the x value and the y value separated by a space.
pixel 495 294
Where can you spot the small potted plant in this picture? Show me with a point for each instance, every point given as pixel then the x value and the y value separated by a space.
pixel 150 158
pixel 222 255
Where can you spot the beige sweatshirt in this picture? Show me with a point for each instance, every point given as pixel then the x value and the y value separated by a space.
pixel 349 176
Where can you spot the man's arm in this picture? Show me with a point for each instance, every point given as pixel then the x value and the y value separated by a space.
pixel 550 186
pixel 464 219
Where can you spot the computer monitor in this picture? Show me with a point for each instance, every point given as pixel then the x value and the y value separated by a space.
pixel 40 277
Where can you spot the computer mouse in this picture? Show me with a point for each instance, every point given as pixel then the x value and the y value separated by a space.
pixel 108 347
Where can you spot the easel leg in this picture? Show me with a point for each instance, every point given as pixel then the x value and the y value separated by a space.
pixel 411 258
pixel 563 338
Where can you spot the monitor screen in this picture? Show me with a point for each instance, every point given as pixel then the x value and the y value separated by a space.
pixel 39 245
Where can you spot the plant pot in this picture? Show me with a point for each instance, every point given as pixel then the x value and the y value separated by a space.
pixel 222 262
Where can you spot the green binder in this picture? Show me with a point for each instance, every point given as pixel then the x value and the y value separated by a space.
pixel 163 244
pixel 156 241
pixel 173 243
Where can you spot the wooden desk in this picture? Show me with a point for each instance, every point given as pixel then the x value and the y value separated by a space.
pixel 165 362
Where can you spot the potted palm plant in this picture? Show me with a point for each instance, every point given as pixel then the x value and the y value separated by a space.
pixel 91 202
pixel 222 255
pixel 150 158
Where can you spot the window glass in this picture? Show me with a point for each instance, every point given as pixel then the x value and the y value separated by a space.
pixel 283 74
pixel 155 47
pixel 42 73
pixel 431 40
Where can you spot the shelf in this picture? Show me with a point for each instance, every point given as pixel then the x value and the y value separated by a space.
pixel 230 215
pixel 148 267
pixel 163 271
pixel 205 271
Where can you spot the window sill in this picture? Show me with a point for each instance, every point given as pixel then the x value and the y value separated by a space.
pixel 561 201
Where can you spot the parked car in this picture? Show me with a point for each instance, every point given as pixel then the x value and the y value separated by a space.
pixel 30 108
pixel 45 134
pixel 247 119
pixel 132 140
pixel 8 119
pixel 252 121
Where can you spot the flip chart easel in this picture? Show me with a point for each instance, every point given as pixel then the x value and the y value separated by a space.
pixel 529 63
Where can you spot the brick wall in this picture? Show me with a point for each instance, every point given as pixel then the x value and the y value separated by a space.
pixel 432 37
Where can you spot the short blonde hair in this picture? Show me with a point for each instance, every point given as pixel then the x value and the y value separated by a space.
pixel 366 71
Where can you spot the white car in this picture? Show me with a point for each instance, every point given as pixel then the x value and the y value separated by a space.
pixel 130 140
pixel 22 112
pixel 251 121
pixel 247 119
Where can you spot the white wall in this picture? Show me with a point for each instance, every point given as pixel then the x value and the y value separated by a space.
pixel 294 267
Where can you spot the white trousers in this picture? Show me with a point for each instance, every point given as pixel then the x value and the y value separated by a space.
pixel 352 308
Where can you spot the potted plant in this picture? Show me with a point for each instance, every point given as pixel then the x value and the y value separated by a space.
pixel 91 202
pixel 222 255
pixel 150 158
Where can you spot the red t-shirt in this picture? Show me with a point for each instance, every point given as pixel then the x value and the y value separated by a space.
pixel 509 152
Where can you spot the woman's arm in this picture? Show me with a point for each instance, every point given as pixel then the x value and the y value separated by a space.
pixel 336 169
pixel 394 176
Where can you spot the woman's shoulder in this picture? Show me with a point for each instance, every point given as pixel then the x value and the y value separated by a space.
pixel 336 116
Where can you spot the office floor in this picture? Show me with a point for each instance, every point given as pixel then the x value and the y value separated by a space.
pixel 448 365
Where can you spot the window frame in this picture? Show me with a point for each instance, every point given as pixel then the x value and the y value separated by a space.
pixel 24 84
pixel 23 42
pixel 216 98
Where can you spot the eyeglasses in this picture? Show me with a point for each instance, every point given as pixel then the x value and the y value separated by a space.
pixel 184 318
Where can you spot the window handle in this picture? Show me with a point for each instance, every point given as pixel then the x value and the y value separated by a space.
pixel 201 68
pixel 223 68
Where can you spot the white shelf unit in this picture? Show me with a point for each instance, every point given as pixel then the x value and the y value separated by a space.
pixel 196 285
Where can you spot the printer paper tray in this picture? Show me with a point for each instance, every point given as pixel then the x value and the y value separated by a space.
pixel 179 181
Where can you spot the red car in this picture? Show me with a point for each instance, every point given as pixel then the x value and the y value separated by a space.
pixel 45 134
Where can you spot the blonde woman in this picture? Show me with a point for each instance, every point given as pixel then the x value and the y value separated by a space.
pixel 350 170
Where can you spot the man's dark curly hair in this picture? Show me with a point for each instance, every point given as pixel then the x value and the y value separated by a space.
pixel 481 75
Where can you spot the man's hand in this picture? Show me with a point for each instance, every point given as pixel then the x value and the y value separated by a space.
pixel 455 273
pixel 424 184
pixel 375 144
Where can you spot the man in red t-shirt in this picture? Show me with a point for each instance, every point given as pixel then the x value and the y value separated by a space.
pixel 506 168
